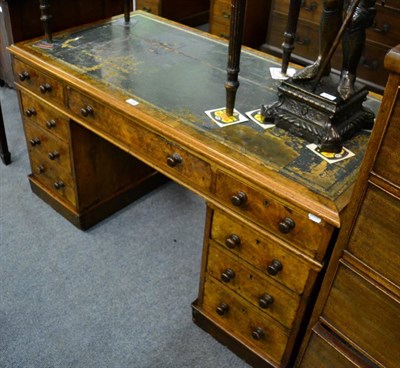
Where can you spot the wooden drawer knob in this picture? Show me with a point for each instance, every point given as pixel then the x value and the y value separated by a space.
pixel 24 76
pixel 258 334
pixel 222 309
pixel 265 301
pixel 40 169
pixel 51 124
pixel 274 268
pixel 286 225
pixel 228 275
pixel 35 142
pixel 45 88
pixel 86 111
pixel 59 184
pixel 174 159
pixel 53 155
pixel 232 241
pixel 239 199
pixel 30 112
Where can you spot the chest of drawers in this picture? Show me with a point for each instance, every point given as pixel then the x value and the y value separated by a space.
pixel 255 24
pixel 383 35
pixel 356 319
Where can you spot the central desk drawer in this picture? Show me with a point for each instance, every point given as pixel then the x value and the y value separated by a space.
pixel 285 222
pixel 241 318
pixel 260 251
pixel 366 315
pixel 269 297
pixel 164 155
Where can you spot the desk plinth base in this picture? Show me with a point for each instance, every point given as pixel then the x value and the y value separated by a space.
pixel 98 212
pixel 226 338
pixel 318 119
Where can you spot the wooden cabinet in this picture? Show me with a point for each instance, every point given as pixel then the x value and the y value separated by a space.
pixel 189 12
pixel 383 35
pixel 359 306
pixel 256 20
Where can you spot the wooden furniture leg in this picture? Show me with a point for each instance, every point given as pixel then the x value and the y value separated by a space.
pixel 127 9
pixel 46 17
pixel 4 153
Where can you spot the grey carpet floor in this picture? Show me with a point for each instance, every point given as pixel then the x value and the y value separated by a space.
pixel 117 295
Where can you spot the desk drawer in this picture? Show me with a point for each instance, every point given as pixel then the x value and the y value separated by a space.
pixel 57 181
pixel 151 6
pixel 45 116
pixel 389 152
pixel 287 223
pixel 260 251
pixel 310 10
pixel 365 315
pixel 266 295
pixel 242 319
pixel 40 83
pixel 376 234
pixel 43 143
pixel 158 152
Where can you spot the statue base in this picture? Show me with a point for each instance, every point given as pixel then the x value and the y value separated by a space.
pixel 320 117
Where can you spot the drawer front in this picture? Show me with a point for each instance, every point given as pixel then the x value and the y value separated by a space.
pixel 376 234
pixel 57 181
pixel 261 333
pixel 261 252
pixel 38 82
pixel 287 223
pixel 42 143
pixel 262 292
pixel 365 315
pixel 45 116
pixel 326 351
pixel 386 28
pixel 307 36
pixel 151 6
pixel 157 151
pixel 220 18
pixel 390 148
pixel 310 10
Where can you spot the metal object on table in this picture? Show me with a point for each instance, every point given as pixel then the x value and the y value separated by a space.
pixel 127 9
pixel 314 110
pixel 235 43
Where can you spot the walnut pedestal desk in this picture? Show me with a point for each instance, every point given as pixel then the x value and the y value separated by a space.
pixel 112 106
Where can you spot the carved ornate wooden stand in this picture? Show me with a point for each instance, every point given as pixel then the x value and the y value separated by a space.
pixel 318 119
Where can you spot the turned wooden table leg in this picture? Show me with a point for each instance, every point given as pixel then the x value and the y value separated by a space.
pixel 4 153
pixel 46 17
pixel 235 43
pixel 127 9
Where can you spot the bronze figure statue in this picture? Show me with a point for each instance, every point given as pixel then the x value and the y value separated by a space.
pixel 352 42
pixel 330 110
